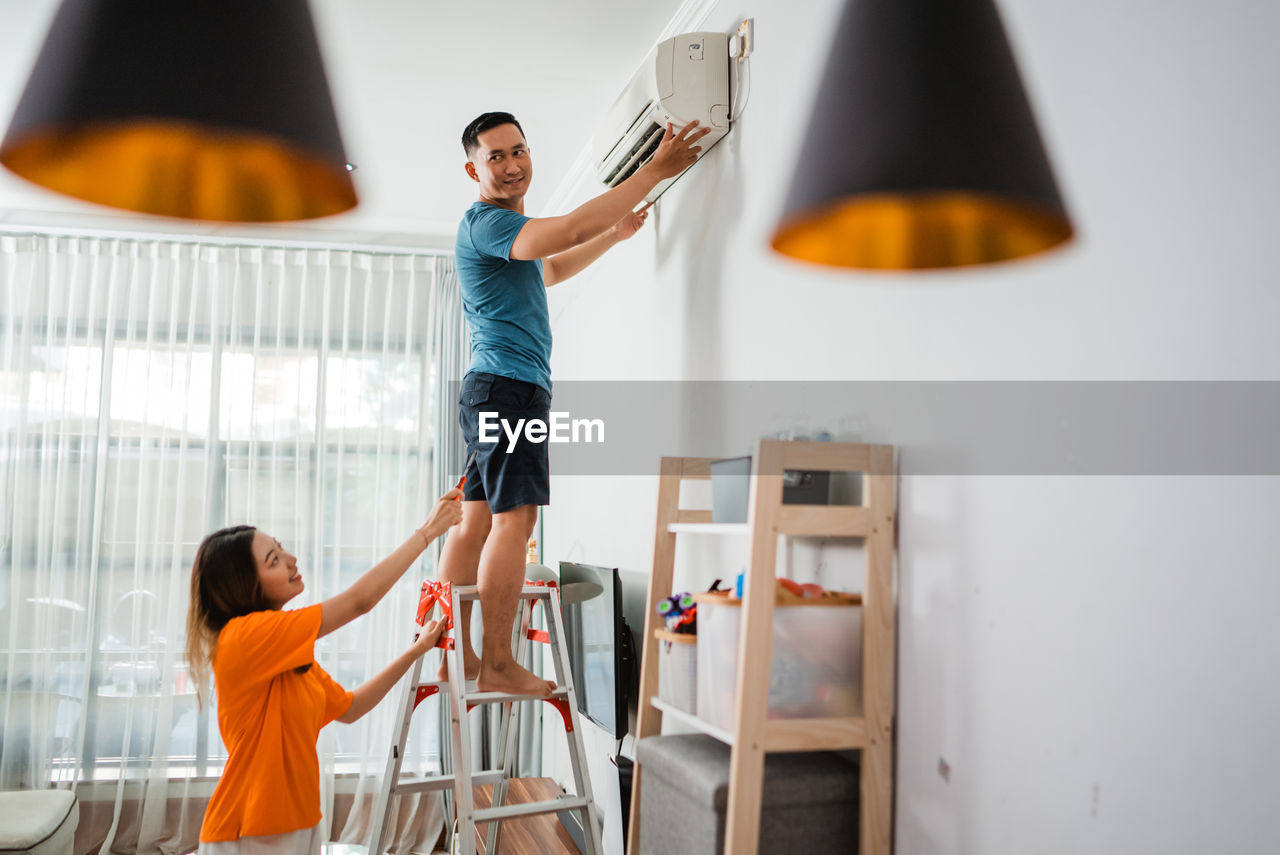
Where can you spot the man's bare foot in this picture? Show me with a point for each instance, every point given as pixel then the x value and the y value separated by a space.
pixel 470 665
pixel 513 679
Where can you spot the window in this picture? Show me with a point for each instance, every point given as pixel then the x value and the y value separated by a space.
pixel 150 393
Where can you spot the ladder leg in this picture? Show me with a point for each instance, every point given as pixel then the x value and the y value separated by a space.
pixel 498 794
pixel 577 758
pixel 464 798
pixel 510 727
pixel 395 758
pixel 448 750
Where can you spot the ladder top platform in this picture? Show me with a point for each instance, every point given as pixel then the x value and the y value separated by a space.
pixel 528 592
pixel 560 693
pixel 472 696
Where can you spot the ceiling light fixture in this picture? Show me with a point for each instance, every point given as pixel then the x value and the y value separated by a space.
pixel 203 109
pixel 922 150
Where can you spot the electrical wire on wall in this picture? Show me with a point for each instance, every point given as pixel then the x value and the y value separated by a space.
pixel 741 44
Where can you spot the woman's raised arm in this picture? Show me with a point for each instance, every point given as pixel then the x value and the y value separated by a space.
pixel 361 597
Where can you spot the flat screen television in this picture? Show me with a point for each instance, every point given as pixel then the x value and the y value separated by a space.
pixel 601 651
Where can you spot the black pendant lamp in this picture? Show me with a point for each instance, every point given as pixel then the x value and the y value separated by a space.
pixel 922 150
pixel 204 109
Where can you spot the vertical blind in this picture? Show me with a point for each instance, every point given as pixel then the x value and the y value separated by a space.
pixel 151 392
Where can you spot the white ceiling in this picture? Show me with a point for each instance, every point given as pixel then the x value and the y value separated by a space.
pixel 406 76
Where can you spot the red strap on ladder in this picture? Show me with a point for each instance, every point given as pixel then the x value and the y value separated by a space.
pixel 433 593
pixel 539 634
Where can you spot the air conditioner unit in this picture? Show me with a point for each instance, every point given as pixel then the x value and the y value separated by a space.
pixel 684 78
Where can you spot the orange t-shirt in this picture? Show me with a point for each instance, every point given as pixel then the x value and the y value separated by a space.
pixel 270 717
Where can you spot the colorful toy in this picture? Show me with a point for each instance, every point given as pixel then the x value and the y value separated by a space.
pixel 676 604
pixel 680 612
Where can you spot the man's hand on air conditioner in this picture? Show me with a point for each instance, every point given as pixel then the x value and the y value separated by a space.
pixel 677 151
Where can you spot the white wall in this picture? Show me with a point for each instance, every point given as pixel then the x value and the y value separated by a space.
pixel 1088 655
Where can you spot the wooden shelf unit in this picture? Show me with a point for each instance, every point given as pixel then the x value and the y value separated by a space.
pixel 754 734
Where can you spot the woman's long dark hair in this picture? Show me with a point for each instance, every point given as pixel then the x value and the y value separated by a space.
pixel 224 585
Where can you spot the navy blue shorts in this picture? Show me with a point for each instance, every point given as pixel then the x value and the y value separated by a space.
pixel 505 479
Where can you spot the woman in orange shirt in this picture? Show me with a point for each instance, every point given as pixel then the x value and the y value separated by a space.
pixel 272 696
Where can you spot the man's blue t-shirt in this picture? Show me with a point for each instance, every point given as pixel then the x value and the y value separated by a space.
pixel 505 301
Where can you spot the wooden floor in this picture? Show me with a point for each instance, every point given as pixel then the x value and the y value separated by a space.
pixel 530 835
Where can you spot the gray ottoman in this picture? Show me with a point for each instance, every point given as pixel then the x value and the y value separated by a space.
pixel 809 802
pixel 41 822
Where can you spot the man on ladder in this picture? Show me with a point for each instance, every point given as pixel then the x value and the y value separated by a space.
pixel 505 263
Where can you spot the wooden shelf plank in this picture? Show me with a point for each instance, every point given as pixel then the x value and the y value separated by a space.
pixel 708 528
pixel 755 644
pixel 815 734
pixel 695 468
pixel 693 516
pixel 691 720
pixel 879 627
pixel 814 456
pixel 824 520
pixel 799 734
pixel 795 521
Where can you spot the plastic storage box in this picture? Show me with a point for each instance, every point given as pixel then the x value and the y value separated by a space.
pixel 816 665
pixel 678 669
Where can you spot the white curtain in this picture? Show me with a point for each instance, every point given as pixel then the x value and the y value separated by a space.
pixel 150 392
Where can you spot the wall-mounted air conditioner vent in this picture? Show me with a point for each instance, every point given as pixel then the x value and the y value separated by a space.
pixel 646 143
pixel 685 78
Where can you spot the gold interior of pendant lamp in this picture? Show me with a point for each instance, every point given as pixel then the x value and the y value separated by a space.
pixel 180 170
pixel 919 231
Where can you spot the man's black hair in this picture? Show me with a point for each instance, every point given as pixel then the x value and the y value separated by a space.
pixel 482 123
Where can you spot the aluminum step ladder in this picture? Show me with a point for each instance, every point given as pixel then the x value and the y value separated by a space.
pixel 462 780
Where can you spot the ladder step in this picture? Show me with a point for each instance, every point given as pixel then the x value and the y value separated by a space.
pixel 439 782
pixel 422 785
pixel 528 592
pixel 502 698
pixel 531 808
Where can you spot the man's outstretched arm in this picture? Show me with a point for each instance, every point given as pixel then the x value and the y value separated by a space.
pixel 548 236
pixel 560 267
